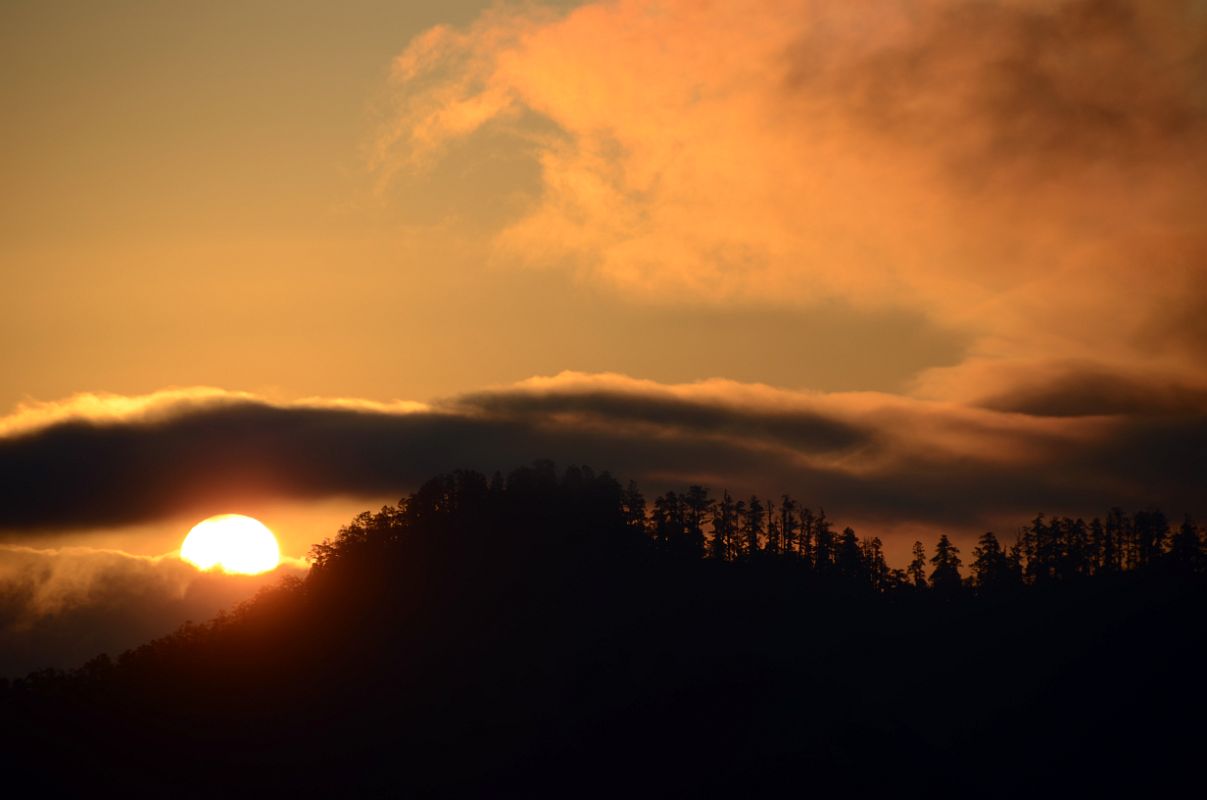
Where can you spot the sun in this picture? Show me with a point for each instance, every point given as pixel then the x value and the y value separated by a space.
pixel 232 543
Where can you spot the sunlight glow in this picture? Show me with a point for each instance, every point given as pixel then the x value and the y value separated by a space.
pixel 232 543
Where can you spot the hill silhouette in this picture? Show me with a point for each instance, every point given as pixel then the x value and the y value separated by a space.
pixel 547 634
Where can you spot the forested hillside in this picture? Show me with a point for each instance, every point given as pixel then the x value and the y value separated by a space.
pixel 552 633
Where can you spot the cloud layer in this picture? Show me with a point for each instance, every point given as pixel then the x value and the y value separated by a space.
pixel 875 458
pixel 61 606
pixel 1032 172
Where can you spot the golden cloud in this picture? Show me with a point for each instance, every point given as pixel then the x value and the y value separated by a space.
pixel 1031 172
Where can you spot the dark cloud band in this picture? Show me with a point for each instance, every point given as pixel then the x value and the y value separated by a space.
pixel 76 473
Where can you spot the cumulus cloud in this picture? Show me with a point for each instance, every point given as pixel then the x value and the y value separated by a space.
pixel 61 606
pixel 1032 172
pixel 869 457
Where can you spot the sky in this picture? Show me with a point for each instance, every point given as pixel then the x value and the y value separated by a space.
pixel 935 265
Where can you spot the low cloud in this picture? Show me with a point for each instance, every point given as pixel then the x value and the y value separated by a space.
pixel 61 606
pixel 868 457
pixel 1078 389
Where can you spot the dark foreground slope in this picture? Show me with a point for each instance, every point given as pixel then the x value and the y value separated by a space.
pixel 530 640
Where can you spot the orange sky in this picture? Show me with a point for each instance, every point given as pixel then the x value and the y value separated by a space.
pixel 404 202
pixel 192 199
pixel 950 238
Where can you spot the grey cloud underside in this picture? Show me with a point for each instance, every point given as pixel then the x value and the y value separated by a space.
pixel 809 432
pixel 1086 390
pixel 81 474
pixel 76 474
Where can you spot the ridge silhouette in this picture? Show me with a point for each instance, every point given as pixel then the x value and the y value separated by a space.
pixel 547 633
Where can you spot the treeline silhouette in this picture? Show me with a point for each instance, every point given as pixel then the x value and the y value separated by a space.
pixel 697 524
pixel 553 633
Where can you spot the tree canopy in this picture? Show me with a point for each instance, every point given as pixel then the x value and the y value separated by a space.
pixel 550 629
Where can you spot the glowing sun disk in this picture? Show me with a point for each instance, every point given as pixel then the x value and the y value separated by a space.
pixel 232 543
